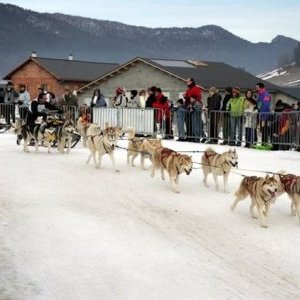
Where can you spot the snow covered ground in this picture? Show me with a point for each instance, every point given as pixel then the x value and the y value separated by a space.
pixel 70 231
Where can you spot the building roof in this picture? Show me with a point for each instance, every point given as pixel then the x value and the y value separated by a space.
pixel 209 73
pixel 205 73
pixel 291 91
pixel 70 70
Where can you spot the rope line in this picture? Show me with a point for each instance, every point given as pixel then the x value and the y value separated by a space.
pixel 199 163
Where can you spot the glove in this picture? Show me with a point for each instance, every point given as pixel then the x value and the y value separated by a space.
pixel 20 102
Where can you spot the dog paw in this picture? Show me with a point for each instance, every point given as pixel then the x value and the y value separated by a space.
pixel 264 226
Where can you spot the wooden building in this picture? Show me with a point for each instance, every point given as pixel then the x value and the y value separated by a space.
pixel 55 74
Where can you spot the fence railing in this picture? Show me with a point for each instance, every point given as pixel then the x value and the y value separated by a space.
pixel 148 121
pixel 281 129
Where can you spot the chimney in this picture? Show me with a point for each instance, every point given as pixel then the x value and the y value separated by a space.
pixel 33 54
pixel 70 56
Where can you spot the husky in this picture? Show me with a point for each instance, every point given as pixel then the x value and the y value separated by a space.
pixel 171 161
pixel 262 192
pixel 64 136
pixel 101 142
pixel 136 147
pixel 218 165
pixel 40 133
pixel 290 184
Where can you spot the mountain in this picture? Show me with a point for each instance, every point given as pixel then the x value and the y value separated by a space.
pixel 56 35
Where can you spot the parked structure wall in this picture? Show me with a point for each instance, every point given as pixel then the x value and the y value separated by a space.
pixel 137 77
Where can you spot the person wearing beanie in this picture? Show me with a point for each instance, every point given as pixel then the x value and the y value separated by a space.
pixel 193 104
pixel 134 99
pixel 120 99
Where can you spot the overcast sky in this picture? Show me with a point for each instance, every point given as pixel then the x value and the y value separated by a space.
pixel 252 20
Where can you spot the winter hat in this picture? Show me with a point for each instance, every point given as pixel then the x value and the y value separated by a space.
pixel 119 90
pixel 213 90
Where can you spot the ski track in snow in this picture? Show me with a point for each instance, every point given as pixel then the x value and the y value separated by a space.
pixel 70 231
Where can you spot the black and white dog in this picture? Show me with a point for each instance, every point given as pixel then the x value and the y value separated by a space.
pixel 64 136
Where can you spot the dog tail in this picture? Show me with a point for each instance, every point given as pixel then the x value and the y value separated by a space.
pixel 281 172
pixel 242 190
pixel 131 132
pixel 147 147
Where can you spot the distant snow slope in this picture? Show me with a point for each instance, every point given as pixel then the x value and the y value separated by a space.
pixel 288 76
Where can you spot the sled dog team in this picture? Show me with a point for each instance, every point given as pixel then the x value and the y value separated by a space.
pixel 262 190
pixel 48 135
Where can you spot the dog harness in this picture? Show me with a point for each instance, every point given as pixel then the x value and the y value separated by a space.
pixel 207 156
pixel 167 152
pixel 288 181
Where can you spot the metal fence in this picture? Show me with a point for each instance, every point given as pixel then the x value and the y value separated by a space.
pixel 148 121
pixel 281 129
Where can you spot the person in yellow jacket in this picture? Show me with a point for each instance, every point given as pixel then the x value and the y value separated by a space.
pixel 236 107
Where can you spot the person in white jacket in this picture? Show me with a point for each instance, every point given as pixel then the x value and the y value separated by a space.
pixel 120 99
pixel 250 114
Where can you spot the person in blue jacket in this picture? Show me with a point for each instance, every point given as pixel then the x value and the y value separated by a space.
pixel 264 108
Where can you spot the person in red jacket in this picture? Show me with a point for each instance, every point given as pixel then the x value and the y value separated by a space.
pixel 163 113
pixel 193 104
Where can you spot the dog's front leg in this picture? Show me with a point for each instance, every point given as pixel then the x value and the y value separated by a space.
pixel 133 158
pixel 69 146
pixel 267 208
pixel 112 158
pixel 261 215
pixel 153 169
pixel 225 181
pixel 49 147
pixel 216 181
pixel 62 146
pixel 25 146
pixel 177 179
pixel 97 163
pixel 36 143
pixel 293 207
pixel 173 183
